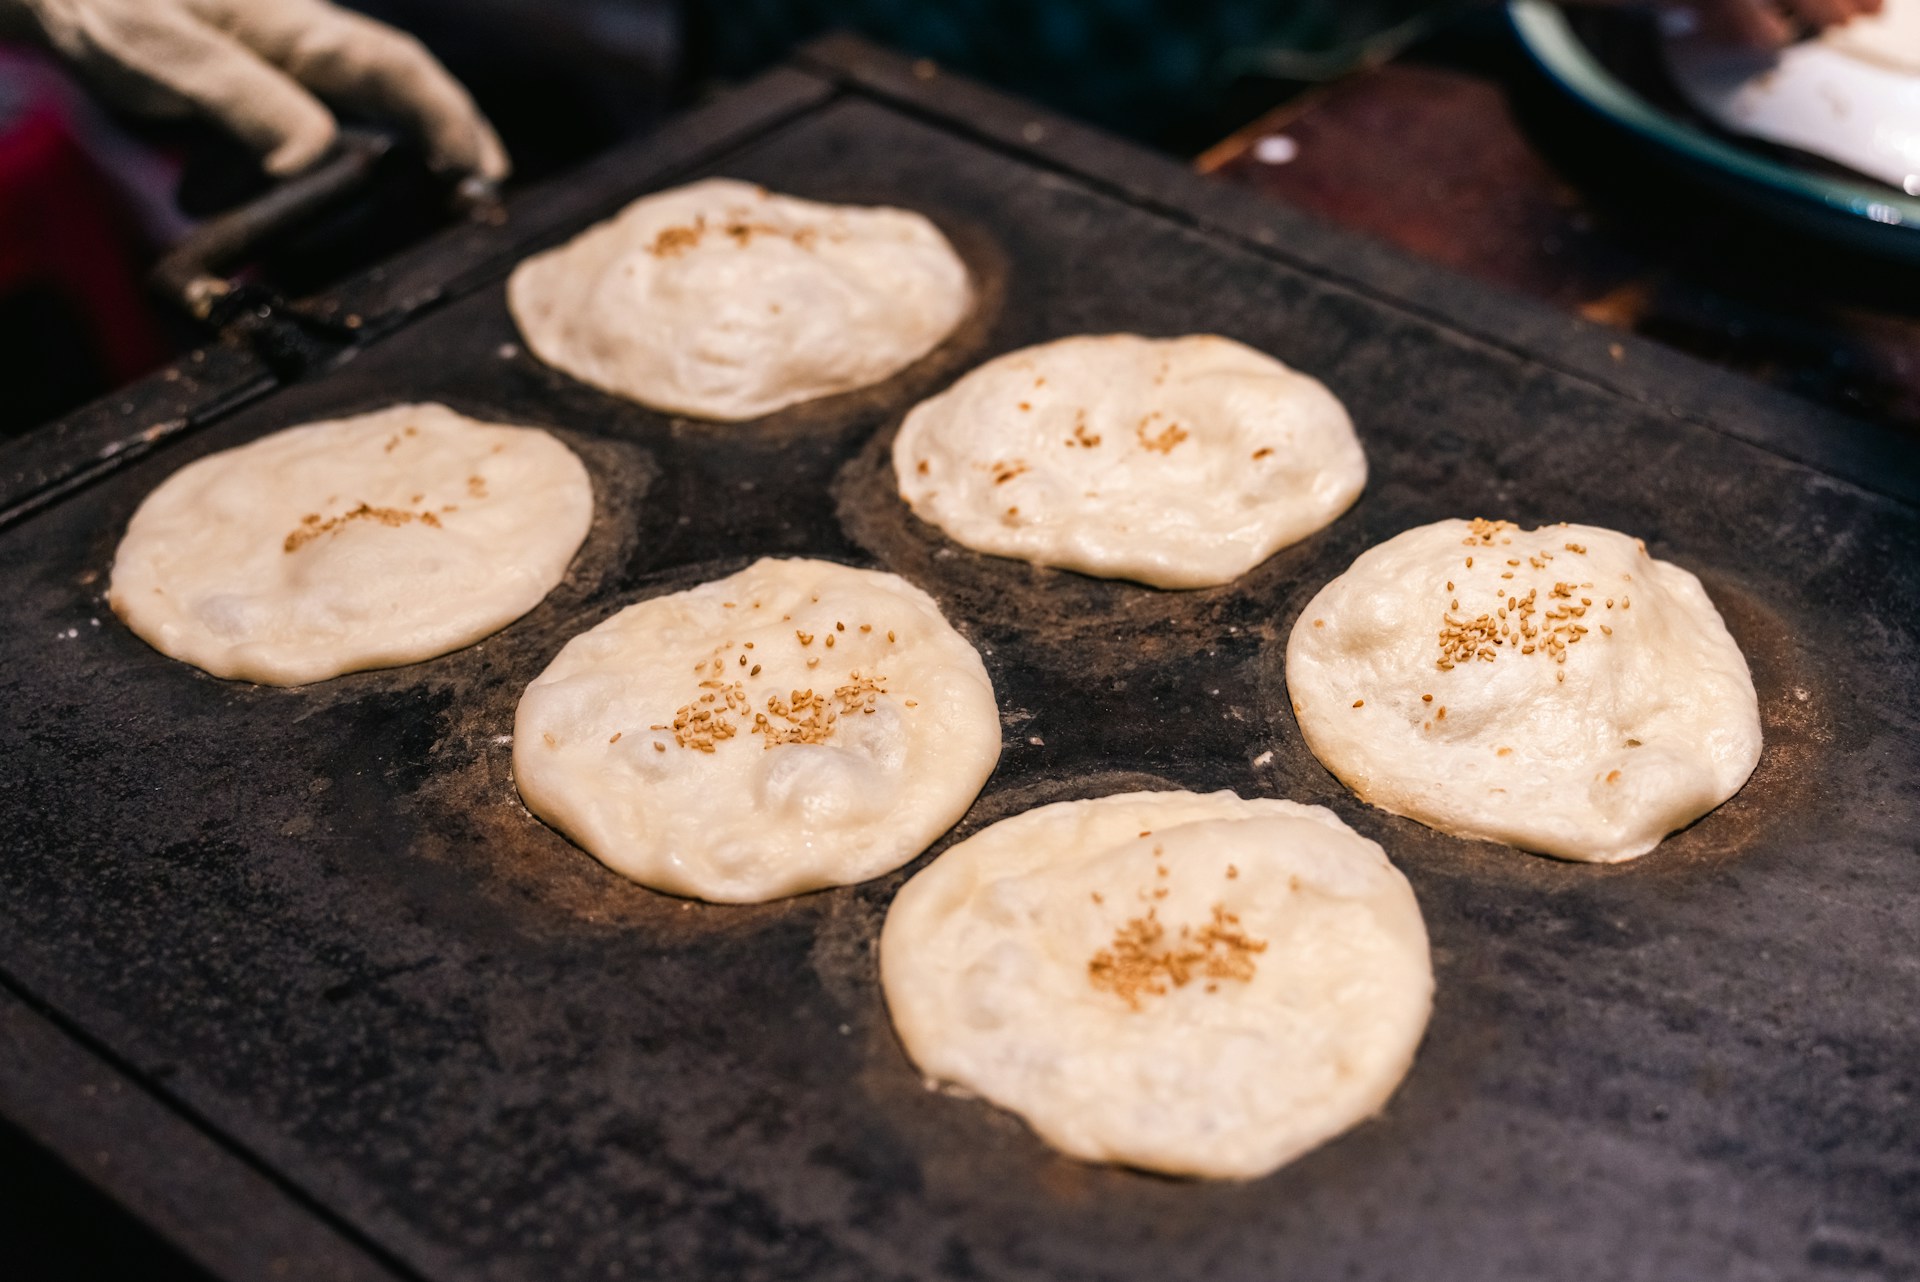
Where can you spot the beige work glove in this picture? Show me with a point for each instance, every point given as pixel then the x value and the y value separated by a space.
pixel 261 68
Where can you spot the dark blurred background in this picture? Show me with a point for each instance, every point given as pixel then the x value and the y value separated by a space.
pixel 88 198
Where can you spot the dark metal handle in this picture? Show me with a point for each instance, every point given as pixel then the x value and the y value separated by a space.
pixel 194 272
pixel 289 340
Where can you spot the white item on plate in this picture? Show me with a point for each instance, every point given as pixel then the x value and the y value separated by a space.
pixel 1195 984
pixel 1557 689
pixel 799 724
pixel 364 542
pixel 1851 95
pixel 1180 463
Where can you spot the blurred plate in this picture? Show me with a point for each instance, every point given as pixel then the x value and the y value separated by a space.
pixel 1620 80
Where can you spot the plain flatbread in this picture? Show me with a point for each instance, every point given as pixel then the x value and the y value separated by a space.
pixel 799 724
pixel 1181 463
pixel 1201 985
pixel 364 542
pixel 1555 689
pixel 724 301
pixel 1852 95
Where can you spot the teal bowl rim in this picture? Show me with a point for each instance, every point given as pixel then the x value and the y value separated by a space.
pixel 1550 40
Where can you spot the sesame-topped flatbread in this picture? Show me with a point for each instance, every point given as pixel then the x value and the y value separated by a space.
pixel 364 542
pixel 722 300
pixel 799 724
pixel 1196 984
pixel 1557 689
pixel 1180 463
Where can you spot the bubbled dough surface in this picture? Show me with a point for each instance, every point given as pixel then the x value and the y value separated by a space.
pixel 1180 463
pixel 724 301
pixel 468 526
pixel 1522 756
pixel 985 963
pixel 746 822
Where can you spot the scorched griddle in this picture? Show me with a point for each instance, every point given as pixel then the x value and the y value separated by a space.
pixel 294 976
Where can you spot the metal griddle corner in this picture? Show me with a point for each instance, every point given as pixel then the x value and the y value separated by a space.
pixel 292 975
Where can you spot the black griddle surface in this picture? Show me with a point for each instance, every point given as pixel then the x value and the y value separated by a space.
pixel 317 924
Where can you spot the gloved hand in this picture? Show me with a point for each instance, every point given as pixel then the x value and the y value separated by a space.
pixel 256 66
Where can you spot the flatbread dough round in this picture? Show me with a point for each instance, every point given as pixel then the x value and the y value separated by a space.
pixel 1180 463
pixel 363 542
pixel 799 724
pixel 724 301
pixel 1555 689
pixel 1201 985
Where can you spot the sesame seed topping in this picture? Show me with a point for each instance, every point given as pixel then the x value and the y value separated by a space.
pixel 1142 961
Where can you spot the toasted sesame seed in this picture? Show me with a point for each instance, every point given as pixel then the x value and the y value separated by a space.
pixel 1359 703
